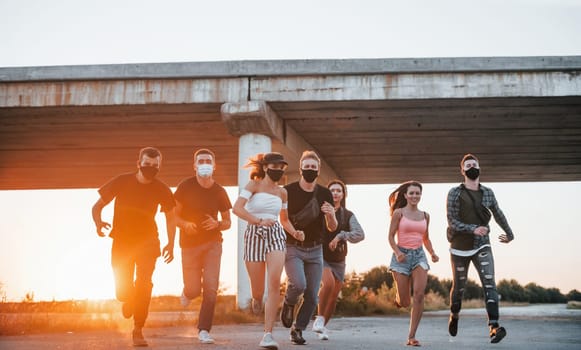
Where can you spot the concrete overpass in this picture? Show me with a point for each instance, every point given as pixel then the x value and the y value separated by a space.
pixel 372 121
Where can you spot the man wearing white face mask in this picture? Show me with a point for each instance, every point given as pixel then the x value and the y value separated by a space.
pixel 199 199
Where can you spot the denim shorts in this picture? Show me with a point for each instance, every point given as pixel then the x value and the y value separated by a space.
pixel 337 268
pixel 413 258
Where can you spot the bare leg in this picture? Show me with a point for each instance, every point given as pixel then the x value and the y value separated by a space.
pixel 256 271
pixel 402 284
pixel 330 309
pixel 420 280
pixel 275 264
pixel 325 293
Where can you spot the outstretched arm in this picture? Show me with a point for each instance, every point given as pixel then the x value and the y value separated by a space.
pixel 188 227
pixel 355 233
pixel 500 220
pixel 330 218
pixel 284 220
pixel 393 226
pixel 96 213
pixel 428 242
pixel 170 224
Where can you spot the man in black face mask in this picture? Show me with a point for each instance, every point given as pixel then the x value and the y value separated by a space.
pixel 304 259
pixel 135 246
pixel 469 208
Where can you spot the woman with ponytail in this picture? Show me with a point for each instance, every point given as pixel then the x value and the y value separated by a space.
pixel 260 204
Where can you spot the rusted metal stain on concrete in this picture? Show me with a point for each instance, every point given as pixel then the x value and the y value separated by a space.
pixel 101 93
pixel 416 86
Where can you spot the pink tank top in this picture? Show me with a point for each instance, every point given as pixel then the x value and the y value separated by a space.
pixel 410 233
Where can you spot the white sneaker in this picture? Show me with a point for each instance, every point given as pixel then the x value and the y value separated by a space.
pixel 268 342
pixel 204 337
pixel 184 301
pixel 324 335
pixel 319 324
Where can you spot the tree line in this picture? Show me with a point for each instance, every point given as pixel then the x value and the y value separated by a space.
pixel 510 290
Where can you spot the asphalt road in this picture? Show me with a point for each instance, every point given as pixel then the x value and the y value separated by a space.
pixel 528 328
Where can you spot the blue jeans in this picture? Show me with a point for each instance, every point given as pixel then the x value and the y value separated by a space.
pixel 304 268
pixel 484 263
pixel 201 272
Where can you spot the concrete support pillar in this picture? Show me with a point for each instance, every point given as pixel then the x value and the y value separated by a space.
pixel 248 146
pixel 255 123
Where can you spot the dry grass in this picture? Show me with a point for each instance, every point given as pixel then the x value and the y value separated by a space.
pixel 434 301
pixel 382 303
pixel 78 316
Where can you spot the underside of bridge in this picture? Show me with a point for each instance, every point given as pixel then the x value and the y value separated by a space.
pixel 364 139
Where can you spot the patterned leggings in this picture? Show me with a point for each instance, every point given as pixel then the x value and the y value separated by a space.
pixel 484 263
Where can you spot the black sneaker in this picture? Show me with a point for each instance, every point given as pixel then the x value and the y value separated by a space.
pixel 496 334
pixel 296 336
pixel 138 339
pixel 453 325
pixel 287 315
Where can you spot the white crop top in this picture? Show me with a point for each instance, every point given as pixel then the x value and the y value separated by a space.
pixel 263 205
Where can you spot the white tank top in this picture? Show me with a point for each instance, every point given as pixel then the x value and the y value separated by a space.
pixel 264 205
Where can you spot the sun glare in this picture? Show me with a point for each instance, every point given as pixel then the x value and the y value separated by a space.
pixel 49 248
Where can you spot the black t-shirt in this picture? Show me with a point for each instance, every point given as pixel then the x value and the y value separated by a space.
pixel 468 214
pixel 197 202
pixel 135 206
pixel 297 199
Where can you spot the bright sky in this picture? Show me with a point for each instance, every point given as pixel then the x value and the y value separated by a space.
pixel 47 240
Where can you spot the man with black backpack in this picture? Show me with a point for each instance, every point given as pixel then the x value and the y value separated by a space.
pixel 469 209
pixel 310 210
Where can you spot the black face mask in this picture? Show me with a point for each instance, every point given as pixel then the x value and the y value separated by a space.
pixel 275 174
pixel 148 172
pixel 472 173
pixel 310 175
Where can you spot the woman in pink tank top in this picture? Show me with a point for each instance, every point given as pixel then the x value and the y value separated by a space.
pixel 409 265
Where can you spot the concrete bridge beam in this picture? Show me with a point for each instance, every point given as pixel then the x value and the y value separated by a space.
pixel 416 86
pixel 258 117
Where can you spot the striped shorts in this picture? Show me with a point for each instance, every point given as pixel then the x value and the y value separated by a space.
pixel 260 240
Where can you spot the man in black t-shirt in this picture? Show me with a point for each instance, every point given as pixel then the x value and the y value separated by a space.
pixel 135 247
pixel 304 259
pixel 199 199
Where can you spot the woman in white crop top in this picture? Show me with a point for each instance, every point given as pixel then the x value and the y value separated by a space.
pixel 409 265
pixel 260 204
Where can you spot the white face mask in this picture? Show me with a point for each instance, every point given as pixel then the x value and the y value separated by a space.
pixel 205 170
